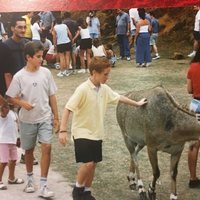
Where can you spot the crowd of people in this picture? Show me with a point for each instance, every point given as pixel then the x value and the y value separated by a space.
pixel 40 37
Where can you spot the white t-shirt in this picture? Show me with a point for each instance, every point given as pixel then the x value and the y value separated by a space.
pixel 35 88
pixel 8 128
pixel 47 44
pixel 197 22
pixel 84 33
pixel 51 50
pixel 98 51
pixel 61 33
pixel 133 13
pixel 35 31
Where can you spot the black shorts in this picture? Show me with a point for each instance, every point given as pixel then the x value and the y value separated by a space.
pixel 62 48
pixel 88 150
pixel 86 44
pixel 196 35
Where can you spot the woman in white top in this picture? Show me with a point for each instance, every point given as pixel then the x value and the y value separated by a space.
pixel 35 28
pixel 85 43
pixel 62 43
pixel 142 40
pixel 93 25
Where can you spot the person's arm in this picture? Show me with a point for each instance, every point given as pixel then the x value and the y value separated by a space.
pixel 17 101
pixel 2 100
pixel 63 126
pixel 189 86
pixel 131 102
pixel 53 105
pixel 76 36
pixel 54 38
pixel 8 79
pixel 69 34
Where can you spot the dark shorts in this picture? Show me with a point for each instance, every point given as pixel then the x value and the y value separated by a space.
pixel 62 48
pixel 88 150
pixel 196 35
pixel 86 43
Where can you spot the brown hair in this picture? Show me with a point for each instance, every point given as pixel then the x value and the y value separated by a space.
pixel 99 64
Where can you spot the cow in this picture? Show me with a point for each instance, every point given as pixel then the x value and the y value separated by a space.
pixel 161 125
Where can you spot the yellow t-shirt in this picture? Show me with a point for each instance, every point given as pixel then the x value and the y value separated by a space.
pixel 88 104
pixel 28 33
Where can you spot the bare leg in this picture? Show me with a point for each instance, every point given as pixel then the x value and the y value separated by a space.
pixel 62 61
pixel 192 159
pixel 29 160
pixel 88 55
pixel 82 58
pixel 196 45
pixel 45 159
pixel 67 59
pixel 86 173
pixel 11 167
pixel 2 167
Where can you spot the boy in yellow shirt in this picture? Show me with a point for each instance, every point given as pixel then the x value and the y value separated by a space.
pixel 88 104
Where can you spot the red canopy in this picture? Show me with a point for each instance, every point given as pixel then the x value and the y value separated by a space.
pixel 60 5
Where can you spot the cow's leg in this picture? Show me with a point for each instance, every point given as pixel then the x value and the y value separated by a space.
pixel 132 176
pixel 173 173
pixel 135 165
pixel 153 158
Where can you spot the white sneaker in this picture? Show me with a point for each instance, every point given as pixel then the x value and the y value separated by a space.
pixel 60 74
pixel 148 64
pixel 155 57
pixel 30 187
pixel 45 192
pixel 128 58
pixel 68 72
pixel 81 71
pixel 192 54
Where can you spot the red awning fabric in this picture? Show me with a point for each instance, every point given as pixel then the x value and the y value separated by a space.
pixel 61 5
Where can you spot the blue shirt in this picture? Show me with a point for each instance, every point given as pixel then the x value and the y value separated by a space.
pixel 155 25
pixel 122 23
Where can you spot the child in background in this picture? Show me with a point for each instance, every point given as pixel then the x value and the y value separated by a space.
pixel 85 44
pixel 8 149
pixel 110 54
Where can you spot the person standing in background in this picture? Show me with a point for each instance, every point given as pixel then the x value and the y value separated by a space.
pixel 62 43
pixel 122 32
pixel 142 40
pixel 28 17
pixel 47 23
pixel 196 32
pixel 193 87
pixel 93 25
pixel 73 27
pixel 16 45
pixel 154 35
pixel 134 17
pixel 3 34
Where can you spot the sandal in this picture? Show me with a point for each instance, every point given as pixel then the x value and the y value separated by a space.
pixel 3 187
pixel 16 181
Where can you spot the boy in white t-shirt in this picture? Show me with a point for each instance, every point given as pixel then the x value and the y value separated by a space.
pixel 8 149
pixel 33 89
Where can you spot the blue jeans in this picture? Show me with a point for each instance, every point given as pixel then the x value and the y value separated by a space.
pixel 123 45
pixel 143 52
